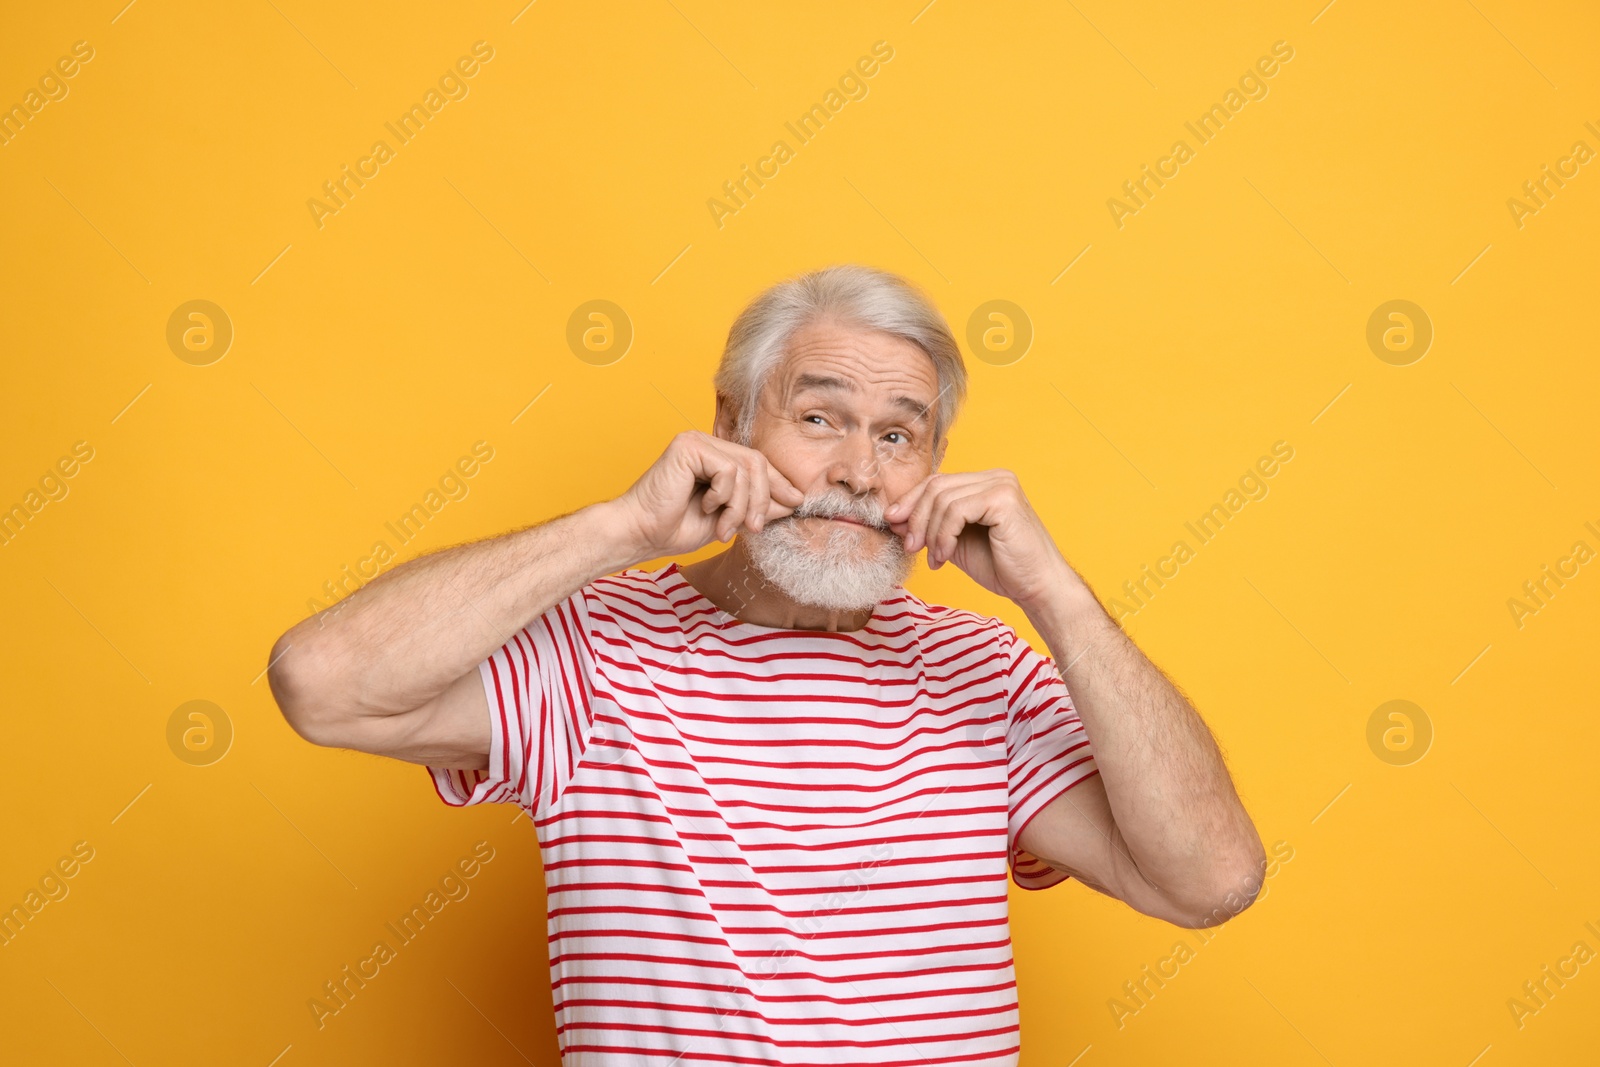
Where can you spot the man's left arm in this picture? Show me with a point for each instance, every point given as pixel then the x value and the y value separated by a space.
pixel 1161 826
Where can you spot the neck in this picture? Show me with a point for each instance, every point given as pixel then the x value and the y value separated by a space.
pixel 731 582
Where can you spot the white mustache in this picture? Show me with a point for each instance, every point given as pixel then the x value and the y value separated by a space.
pixel 833 507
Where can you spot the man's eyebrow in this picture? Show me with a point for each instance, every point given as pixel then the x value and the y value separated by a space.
pixel 822 382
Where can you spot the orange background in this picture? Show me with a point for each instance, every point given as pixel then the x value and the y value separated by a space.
pixel 1168 354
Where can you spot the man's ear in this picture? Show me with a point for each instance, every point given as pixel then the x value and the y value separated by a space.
pixel 722 423
pixel 938 454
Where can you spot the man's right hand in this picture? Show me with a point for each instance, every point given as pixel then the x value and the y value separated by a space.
pixel 703 489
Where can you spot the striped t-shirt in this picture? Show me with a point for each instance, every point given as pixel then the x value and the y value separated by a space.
pixel 770 846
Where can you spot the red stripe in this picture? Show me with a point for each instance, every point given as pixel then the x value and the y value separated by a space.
pixel 877 1019
pixel 556 818
pixel 967 902
pixel 500 704
pixel 776 998
pixel 673 963
pixel 682 1057
pixel 685 1031
pixel 835 809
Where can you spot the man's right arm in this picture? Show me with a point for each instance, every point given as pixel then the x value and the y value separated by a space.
pixel 392 668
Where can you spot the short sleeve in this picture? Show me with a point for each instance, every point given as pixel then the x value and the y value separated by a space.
pixel 1047 750
pixel 538 686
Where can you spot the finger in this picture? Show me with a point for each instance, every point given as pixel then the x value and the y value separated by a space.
pixel 699 454
pixel 917 520
pixel 773 496
pixel 943 486
pixel 717 493
pixel 733 514
pixel 756 513
pixel 782 489
pixel 901 511
pixel 775 509
pixel 898 514
pixel 932 528
pixel 778 498
pixel 705 467
pixel 949 518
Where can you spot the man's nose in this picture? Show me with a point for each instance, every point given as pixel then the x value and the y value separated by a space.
pixel 856 464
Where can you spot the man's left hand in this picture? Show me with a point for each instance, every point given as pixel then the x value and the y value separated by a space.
pixel 982 522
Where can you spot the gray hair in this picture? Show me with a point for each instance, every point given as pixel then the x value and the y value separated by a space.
pixel 852 295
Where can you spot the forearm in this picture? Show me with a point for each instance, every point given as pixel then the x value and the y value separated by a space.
pixel 401 639
pixel 1169 790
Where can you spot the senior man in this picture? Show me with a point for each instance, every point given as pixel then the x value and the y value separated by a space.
pixel 777 795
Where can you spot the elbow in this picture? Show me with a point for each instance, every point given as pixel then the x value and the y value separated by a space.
pixel 1218 909
pixel 291 674
pixel 1230 890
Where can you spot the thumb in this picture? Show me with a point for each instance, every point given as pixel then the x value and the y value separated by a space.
pixel 782 489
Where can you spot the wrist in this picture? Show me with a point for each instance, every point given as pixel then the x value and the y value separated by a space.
pixel 1065 603
pixel 608 528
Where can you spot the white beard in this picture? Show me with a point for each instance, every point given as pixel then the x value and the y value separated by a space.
pixel 852 570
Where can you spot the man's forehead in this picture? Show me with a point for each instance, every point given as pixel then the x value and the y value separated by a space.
pixel 829 358
pixel 811 381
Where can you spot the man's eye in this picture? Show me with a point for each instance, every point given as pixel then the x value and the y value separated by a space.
pixel 896 433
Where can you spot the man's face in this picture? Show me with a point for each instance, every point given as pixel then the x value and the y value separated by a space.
pixel 848 418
